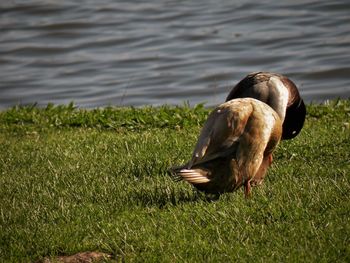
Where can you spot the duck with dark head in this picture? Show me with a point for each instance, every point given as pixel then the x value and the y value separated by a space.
pixel 280 93
pixel 235 146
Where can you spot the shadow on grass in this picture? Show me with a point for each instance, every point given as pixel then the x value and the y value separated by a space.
pixel 162 197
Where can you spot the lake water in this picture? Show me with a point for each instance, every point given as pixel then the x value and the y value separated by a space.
pixel 99 53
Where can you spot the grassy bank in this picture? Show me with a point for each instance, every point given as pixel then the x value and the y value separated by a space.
pixel 74 180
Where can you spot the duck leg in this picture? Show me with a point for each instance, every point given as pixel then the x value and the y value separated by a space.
pixel 250 158
pixel 247 188
pixel 261 173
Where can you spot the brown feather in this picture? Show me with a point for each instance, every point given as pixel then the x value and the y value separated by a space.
pixel 234 146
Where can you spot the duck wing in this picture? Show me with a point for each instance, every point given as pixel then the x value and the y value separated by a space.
pixel 221 132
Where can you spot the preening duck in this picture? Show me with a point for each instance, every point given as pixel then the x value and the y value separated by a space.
pixel 280 93
pixel 234 147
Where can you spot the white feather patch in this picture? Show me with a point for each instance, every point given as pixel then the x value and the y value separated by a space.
pixel 283 95
pixel 192 176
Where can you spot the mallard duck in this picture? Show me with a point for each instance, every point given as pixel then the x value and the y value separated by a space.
pixel 234 147
pixel 280 93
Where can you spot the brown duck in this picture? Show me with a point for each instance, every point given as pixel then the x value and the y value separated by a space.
pixel 234 147
pixel 280 93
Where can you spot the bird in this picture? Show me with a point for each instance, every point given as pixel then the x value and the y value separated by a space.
pixel 234 148
pixel 280 93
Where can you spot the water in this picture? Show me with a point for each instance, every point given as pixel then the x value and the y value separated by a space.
pixel 99 53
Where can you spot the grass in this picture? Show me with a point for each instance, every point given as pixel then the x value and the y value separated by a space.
pixel 75 180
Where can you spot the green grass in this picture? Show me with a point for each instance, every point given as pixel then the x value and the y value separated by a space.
pixel 76 180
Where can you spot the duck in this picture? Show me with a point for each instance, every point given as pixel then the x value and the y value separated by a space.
pixel 280 93
pixel 234 148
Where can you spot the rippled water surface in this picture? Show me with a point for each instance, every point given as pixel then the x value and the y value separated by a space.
pixel 99 53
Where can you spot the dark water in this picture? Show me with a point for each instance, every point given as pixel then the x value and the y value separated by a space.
pixel 99 53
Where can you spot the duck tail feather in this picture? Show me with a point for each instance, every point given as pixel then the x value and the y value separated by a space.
pixel 193 176
pixel 174 173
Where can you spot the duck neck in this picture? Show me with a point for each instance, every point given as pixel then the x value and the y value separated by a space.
pixel 278 97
